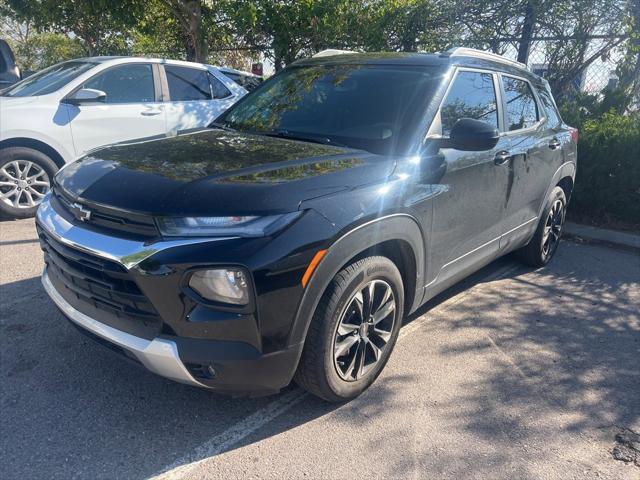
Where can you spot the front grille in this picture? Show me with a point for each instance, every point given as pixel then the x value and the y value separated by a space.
pixel 99 288
pixel 134 224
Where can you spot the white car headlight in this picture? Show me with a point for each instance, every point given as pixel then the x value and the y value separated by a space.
pixel 227 285
pixel 238 226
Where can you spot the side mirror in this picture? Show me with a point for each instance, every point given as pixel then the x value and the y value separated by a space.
pixel 468 134
pixel 85 96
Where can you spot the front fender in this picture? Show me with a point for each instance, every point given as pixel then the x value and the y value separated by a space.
pixel 392 227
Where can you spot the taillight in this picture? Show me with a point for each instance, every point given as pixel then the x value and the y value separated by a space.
pixel 574 134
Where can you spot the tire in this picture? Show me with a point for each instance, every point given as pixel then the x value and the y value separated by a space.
pixel 544 244
pixel 25 176
pixel 329 376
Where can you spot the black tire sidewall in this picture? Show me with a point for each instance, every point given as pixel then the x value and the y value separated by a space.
pixel 556 193
pixel 373 268
pixel 10 154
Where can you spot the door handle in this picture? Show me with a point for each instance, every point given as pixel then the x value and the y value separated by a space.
pixel 501 157
pixel 554 143
pixel 150 113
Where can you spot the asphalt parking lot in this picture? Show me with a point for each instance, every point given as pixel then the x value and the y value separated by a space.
pixel 513 374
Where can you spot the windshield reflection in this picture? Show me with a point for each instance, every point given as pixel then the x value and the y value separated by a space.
pixel 359 106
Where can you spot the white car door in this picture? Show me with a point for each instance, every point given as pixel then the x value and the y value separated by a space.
pixel 130 111
pixel 196 98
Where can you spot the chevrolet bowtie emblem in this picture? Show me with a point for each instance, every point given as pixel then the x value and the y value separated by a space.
pixel 81 213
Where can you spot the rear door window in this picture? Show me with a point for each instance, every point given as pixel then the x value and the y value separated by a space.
pixel 187 84
pixel 521 108
pixel 472 95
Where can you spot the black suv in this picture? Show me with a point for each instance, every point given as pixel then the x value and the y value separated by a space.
pixel 289 240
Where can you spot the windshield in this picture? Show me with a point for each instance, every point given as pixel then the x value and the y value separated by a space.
pixel 369 107
pixel 48 80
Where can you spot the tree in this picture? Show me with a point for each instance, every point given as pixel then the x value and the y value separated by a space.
pixel 33 50
pixel 563 31
pixel 405 25
pixel 288 30
pixel 102 26
pixel 284 30
pixel 189 14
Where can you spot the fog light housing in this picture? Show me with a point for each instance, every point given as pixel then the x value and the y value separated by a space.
pixel 226 285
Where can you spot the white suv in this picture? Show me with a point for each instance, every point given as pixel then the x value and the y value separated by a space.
pixel 69 109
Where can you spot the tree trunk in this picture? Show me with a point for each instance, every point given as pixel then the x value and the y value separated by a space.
pixel 201 46
pixel 189 14
pixel 530 13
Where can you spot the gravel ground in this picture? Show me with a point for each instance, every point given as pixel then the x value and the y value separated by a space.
pixel 516 373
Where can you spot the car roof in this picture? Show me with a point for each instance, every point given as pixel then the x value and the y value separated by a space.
pixel 124 59
pixel 461 57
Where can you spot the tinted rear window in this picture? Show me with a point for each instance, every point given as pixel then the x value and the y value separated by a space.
pixel 522 111
pixel 187 84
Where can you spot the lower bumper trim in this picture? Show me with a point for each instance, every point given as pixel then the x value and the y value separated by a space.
pixel 158 355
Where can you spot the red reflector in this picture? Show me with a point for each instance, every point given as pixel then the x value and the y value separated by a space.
pixel 574 134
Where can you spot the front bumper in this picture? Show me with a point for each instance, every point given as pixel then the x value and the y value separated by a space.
pixel 158 355
pixel 241 369
pixel 129 295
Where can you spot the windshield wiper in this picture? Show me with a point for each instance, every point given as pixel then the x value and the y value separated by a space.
pixel 302 137
pixel 222 126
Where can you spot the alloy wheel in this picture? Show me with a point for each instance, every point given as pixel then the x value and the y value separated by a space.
pixel 23 184
pixel 553 228
pixel 364 330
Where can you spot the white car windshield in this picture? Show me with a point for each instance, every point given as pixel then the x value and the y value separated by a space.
pixel 48 80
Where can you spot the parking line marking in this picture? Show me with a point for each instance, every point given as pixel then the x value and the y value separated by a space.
pixel 233 435
pixel 260 418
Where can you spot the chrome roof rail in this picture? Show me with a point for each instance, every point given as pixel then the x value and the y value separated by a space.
pixel 330 52
pixel 472 52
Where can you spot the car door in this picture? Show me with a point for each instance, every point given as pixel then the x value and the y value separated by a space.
pixel 131 109
pixel 468 205
pixel 535 150
pixel 195 98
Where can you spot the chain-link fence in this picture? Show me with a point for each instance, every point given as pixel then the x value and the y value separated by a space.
pixel 589 68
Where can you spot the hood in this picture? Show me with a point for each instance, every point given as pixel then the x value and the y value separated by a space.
pixel 215 172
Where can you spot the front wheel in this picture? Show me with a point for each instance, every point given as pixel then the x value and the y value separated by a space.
pixel 353 330
pixel 546 239
pixel 25 178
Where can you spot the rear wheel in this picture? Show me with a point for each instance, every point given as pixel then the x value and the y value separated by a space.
pixel 25 178
pixel 353 330
pixel 546 239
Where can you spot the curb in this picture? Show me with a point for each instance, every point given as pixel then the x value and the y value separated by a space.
pixel 602 235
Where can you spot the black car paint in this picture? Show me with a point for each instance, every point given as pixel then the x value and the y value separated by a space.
pixel 212 172
pixel 421 198
pixel 9 72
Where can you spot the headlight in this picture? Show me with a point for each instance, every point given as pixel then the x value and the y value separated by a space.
pixel 227 285
pixel 241 226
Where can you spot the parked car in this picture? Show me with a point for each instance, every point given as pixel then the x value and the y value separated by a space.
pixel 69 109
pixel 244 79
pixel 9 72
pixel 290 240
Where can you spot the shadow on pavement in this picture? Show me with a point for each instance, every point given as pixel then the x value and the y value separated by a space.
pixel 566 344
